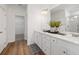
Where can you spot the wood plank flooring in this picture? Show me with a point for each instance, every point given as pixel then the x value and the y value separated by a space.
pixel 17 48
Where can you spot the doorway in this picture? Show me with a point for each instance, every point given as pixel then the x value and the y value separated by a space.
pixel 19 28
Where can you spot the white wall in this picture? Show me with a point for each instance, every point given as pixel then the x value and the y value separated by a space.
pixel 35 18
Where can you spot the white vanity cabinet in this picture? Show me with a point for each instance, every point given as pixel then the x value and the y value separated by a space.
pixel 51 45
pixel 71 48
pixel 61 47
pixel 37 39
pixel 45 44
pixel 57 47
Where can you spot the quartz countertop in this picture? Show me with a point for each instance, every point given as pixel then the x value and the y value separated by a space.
pixel 66 37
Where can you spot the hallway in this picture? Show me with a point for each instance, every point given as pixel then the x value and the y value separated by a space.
pixel 17 48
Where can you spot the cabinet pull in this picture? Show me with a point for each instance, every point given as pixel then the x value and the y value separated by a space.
pixel 64 52
pixel 53 40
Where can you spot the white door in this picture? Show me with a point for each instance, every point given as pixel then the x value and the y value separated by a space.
pixel 3 38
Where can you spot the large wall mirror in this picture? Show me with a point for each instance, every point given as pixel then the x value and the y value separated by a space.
pixel 68 14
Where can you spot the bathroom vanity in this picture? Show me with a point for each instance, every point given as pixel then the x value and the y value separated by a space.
pixel 55 44
pixel 63 43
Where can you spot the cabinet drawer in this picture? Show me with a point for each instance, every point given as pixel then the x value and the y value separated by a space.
pixel 68 47
pixel 58 50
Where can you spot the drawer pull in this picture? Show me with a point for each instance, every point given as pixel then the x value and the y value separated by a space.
pixel 53 40
pixel 64 52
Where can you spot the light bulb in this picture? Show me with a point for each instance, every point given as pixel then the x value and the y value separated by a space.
pixel 44 12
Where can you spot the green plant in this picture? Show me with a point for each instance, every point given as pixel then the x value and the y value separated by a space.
pixel 55 23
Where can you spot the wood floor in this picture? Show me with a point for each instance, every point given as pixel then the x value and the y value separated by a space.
pixel 17 48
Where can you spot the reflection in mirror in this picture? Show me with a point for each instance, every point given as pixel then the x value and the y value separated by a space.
pixel 68 14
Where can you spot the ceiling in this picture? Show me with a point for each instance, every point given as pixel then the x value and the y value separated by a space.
pixel 70 7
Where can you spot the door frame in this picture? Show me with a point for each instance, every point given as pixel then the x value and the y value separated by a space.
pixel 24 26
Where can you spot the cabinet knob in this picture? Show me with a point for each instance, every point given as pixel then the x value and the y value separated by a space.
pixel 64 52
pixel 53 40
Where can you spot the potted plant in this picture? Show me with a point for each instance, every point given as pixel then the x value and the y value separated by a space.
pixel 54 25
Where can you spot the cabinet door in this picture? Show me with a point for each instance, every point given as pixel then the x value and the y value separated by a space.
pixel 38 39
pixel 46 44
pixel 73 50
pixel 70 48
pixel 61 47
pixel 57 48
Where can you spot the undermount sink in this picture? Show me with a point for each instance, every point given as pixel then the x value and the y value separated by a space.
pixel 75 35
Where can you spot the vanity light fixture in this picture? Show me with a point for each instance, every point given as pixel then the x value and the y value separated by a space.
pixel 44 12
pixel 75 16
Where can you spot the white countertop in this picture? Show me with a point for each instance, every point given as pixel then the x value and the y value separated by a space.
pixel 67 37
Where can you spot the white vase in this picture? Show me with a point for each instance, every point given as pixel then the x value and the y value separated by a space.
pixel 53 29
